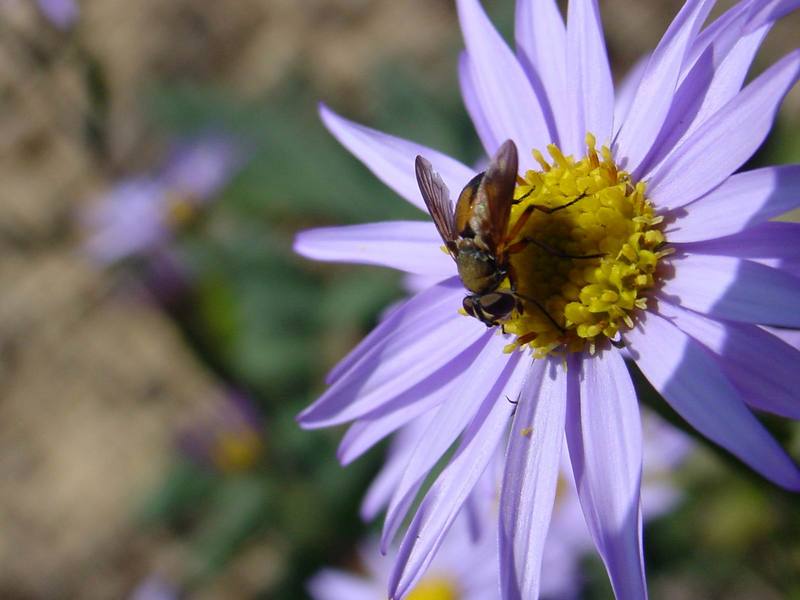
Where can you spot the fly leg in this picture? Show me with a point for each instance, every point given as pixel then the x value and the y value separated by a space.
pixel 556 252
pixel 512 279
pixel 550 210
pixel 523 243
pixel 523 220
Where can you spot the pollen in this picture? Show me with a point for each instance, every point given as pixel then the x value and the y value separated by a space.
pixel 587 256
pixel 236 451
pixel 434 588
pixel 180 210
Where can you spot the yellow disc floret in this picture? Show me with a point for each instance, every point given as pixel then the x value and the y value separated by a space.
pixel 434 588
pixel 587 254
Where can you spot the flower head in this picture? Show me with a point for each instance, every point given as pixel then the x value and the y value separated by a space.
pixel 61 13
pixel 154 588
pixel 464 569
pixel 140 214
pixel 229 440
pixel 644 243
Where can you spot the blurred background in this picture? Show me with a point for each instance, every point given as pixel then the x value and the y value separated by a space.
pixel 157 335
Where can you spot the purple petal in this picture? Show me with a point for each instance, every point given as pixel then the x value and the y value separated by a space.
pixel 61 13
pixel 789 266
pixel 721 33
pixel 722 144
pixel 382 487
pixel 562 576
pixel 626 90
pixel 658 498
pixel 201 166
pixel 690 380
pixel 380 490
pixel 412 318
pixel 378 380
pixel 654 96
pixel 391 159
pixel 742 200
pixel 665 447
pixel 727 30
pixel 790 336
pixel 715 78
pixel 330 584
pixel 762 367
pixel 393 368
pixel 729 75
pixel 473 105
pixel 502 88
pixel 590 89
pixel 411 246
pixel 738 290
pixel 129 220
pixel 416 283
pixel 604 436
pixel 443 501
pixel 481 382
pixel 772 239
pixel 531 475
pixel 774 10
pixel 542 49
pixel 421 399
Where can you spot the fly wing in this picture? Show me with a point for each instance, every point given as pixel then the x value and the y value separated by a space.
pixel 437 199
pixel 497 187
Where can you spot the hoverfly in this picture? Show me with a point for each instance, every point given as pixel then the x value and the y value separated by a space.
pixel 476 234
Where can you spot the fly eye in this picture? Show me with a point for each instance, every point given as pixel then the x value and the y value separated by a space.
pixel 470 306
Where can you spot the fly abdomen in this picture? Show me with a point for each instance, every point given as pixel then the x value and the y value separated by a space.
pixel 478 269
pixel 491 308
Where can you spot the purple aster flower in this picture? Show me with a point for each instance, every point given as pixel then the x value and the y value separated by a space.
pixel 61 13
pixel 615 254
pixel 464 569
pixel 140 214
pixel 229 439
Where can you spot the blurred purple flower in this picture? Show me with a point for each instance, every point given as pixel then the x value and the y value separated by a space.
pixel 140 215
pixel 61 13
pixel 464 569
pixel 228 440
pixel 154 588
pixel 568 538
pixel 674 135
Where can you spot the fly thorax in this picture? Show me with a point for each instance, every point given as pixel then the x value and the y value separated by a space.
pixel 572 302
pixel 477 268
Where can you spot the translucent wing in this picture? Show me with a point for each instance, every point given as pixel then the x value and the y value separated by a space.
pixel 437 199
pixel 497 187
pixel 465 208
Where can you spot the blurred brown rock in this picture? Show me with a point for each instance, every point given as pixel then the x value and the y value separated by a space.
pixel 91 390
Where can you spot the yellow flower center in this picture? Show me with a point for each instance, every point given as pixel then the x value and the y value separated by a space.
pixel 434 588
pixel 587 266
pixel 181 211
pixel 237 451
